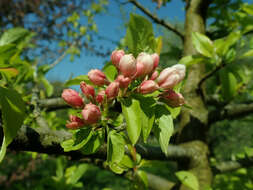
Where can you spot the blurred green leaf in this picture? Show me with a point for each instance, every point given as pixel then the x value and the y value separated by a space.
pixel 188 179
pixel 12 106
pixel 13 36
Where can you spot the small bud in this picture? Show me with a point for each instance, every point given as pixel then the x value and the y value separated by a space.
pixel 91 113
pixel 173 99
pixel 127 65
pixel 72 98
pixel 97 77
pixel 171 76
pixel 75 122
pixel 112 90
pixel 156 59
pixel 100 96
pixel 154 75
pixel 148 86
pixel 87 90
pixel 116 56
pixel 123 81
pixel 145 64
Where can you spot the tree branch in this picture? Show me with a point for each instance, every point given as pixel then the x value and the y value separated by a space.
pixel 157 20
pixel 229 166
pixel 53 104
pixel 231 111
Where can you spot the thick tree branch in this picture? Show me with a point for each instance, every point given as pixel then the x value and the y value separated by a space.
pixel 232 111
pixel 229 166
pixel 157 20
pixel 53 104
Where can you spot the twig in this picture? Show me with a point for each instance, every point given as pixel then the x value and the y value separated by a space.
pixel 158 20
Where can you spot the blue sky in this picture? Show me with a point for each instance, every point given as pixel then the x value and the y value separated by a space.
pixel 111 25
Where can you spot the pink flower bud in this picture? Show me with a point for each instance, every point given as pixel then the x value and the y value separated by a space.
pixel 123 81
pixel 154 75
pixel 156 59
pixel 112 90
pixel 148 86
pixel 91 113
pixel 127 65
pixel 100 96
pixel 173 99
pixel 145 64
pixel 116 56
pixel 74 122
pixel 97 77
pixel 72 98
pixel 87 90
pixel 171 76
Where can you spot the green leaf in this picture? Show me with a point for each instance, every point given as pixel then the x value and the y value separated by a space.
pixel 248 53
pixel 116 168
pixel 80 139
pixel 147 105
pixel 126 162
pixel 140 35
pixel 110 71
pixel 77 80
pixel 94 143
pixel 222 45
pixel 164 131
pixel 10 72
pixel 116 147
pixel 48 86
pixel 188 179
pixel 228 84
pixel 76 174
pixel 143 178
pixel 203 44
pixel 12 106
pixel 132 114
pixel 13 36
pixel 191 60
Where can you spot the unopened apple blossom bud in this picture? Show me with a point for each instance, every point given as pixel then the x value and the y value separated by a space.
pixel 72 98
pixel 112 90
pixel 87 90
pixel 100 96
pixel 171 76
pixel 173 99
pixel 75 122
pixel 123 81
pixel 127 65
pixel 97 77
pixel 156 59
pixel 148 86
pixel 91 113
pixel 116 56
pixel 145 64
pixel 154 75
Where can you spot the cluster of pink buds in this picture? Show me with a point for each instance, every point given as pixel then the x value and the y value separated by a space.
pixel 142 68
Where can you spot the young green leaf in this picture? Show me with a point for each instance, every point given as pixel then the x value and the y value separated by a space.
pixel 203 44
pixel 13 36
pixel 110 71
pixel 116 147
pixel 94 143
pixel 132 114
pixel 164 131
pixel 77 80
